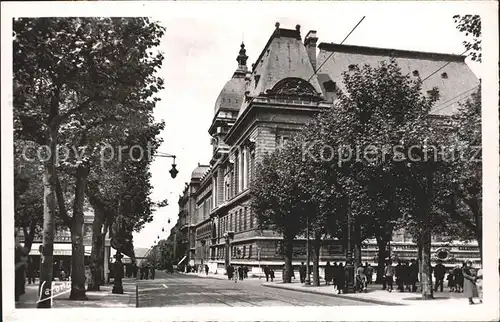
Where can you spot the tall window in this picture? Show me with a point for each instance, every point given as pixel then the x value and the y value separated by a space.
pixel 252 167
pixel 236 175
pixel 250 251
pixel 244 251
pixel 245 219
pixel 231 222
pixel 242 220
pixel 251 219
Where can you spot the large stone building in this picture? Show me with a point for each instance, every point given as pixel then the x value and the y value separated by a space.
pixel 257 111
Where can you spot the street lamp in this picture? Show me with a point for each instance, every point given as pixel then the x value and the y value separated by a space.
pixel 308 273
pixel 349 267
pixel 173 171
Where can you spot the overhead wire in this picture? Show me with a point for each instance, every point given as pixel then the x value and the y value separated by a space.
pixel 352 30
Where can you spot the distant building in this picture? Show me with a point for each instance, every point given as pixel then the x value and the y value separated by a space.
pixel 257 111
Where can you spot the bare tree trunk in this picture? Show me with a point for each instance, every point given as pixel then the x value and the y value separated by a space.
pixel 316 250
pixel 78 249
pixel 49 206
pixel 288 250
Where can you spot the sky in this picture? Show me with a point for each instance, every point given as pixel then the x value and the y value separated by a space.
pixel 200 57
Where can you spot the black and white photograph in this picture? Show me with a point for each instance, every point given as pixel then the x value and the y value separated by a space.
pixel 250 160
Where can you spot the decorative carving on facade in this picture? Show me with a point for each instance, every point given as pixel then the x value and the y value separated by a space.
pixel 292 86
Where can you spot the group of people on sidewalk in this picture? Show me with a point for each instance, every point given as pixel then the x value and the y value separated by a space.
pixel 406 274
pixel 147 271
pixel 236 273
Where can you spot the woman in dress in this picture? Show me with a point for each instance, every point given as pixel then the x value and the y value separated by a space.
pixel 470 278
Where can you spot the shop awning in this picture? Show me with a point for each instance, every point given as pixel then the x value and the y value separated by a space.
pixel 183 258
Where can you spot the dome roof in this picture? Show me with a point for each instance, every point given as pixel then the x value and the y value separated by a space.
pixel 199 171
pixel 232 94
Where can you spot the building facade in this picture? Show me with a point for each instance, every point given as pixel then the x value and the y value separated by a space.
pixel 257 111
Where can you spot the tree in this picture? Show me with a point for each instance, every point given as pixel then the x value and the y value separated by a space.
pixel 460 198
pixel 276 200
pixel 471 26
pixel 72 76
pixel 122 187
pixel 28 197
pixel 379 110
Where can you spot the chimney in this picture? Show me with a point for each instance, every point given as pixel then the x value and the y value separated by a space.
pixel 310 43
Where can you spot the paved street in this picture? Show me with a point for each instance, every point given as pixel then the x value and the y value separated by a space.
pixel 180 289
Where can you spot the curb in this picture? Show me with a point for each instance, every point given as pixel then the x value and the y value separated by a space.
pixel 372 301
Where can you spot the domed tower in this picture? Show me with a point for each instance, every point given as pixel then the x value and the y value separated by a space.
pixel 228 105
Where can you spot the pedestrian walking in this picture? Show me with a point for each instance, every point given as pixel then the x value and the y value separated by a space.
pixel 30 271
pixel 479 284
pixel 413 275
pixel 302 273
pixel 389 275
pixel 267 272
pixel 206 269
pixel 230 271
pixel 398 270
pixel 236 275
pixel 340 278
pixel 360 279
pixel 328 273
pixel 245 271
pixel 271 274
pixel 451 281
pixel 470 279
pixel 20 261
pixel 241 273
pixel 369 273
pixel 406 276
pixel 334 275
pixel 459 278
pixel 152 271
pixel 439 272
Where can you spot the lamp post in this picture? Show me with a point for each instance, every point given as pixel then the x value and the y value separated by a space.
pixel 308 273
pixel 258 258
pixel 173 171
pixel 349 267
pixel 117 283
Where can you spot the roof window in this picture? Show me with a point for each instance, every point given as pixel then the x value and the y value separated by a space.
pixel 444 75
pixel 257 77
pixel 416 73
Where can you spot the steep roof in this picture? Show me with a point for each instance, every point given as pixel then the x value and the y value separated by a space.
pixel 455 80
pixel 284 56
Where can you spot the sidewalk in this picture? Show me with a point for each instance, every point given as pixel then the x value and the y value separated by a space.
pixel 220 276
pixel 376 295
pixel 96 299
